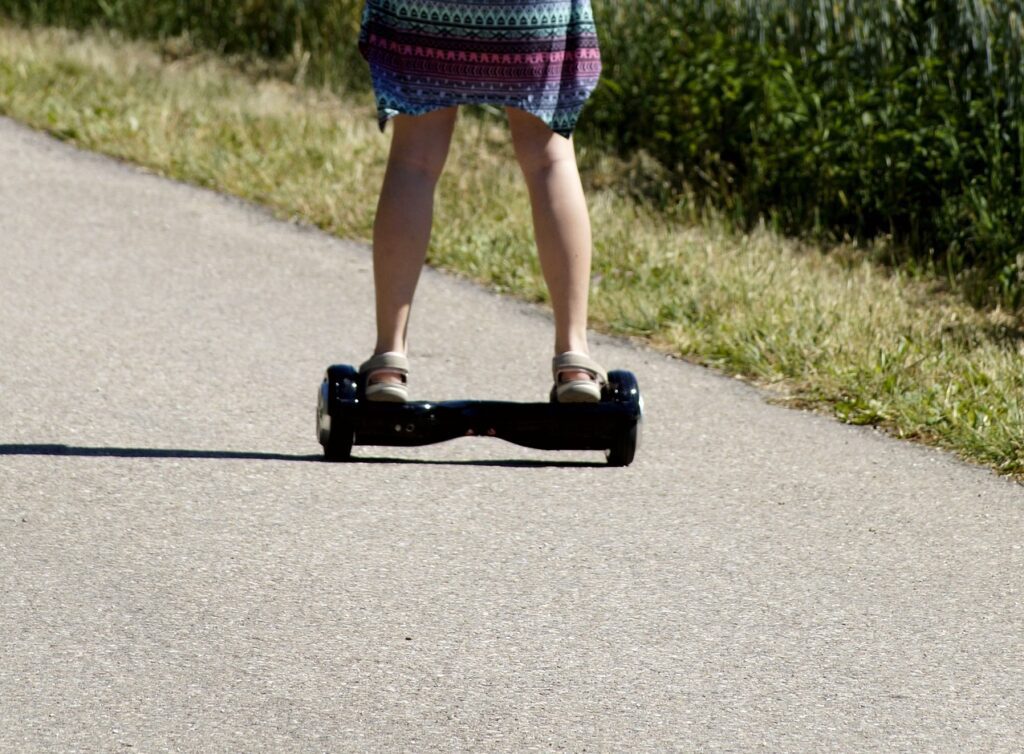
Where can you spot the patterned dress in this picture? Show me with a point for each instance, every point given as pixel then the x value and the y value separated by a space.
pixel 541 56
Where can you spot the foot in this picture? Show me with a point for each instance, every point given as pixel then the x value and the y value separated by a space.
pixel 578 378
pixel 386 377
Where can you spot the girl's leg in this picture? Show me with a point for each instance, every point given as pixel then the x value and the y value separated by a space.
pixel 401 230
pixel 561 225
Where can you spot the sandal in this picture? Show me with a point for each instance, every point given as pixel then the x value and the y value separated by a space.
pixel 386 391
pixel 578 390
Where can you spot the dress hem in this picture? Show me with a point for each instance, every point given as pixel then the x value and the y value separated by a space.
pixel 384 116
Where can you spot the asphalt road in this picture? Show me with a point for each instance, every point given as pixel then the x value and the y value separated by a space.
pixel 180 572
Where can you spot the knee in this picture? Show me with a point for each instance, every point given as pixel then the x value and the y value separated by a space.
pixel 539 150
pixel 538 164
pixel 419 147
pixel 424 165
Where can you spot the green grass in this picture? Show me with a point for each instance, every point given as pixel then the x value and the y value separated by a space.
pixel 831 331
pixel 896 119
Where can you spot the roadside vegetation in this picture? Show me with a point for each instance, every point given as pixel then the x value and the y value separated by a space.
pixel 901 119
pixel 872 344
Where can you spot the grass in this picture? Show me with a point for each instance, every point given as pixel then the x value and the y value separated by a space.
pixel 828 331
pixel 831 119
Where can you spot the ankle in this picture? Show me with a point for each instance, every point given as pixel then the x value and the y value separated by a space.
pixel 389 347
pixel 572 345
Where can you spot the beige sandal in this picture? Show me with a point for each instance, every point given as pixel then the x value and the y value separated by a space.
pixel 386 391
pixel 579 390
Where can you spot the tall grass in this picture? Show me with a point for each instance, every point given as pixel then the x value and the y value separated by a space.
pixel 866 118
pixel 901 118
pixel 318 35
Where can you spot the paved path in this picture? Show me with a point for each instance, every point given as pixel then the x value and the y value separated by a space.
pixel 178 572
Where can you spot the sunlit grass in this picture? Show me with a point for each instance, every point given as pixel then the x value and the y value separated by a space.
pixel 830 331
pixel 863 118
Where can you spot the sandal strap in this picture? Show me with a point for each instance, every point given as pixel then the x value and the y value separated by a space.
pixel 572 360
pixel 391 361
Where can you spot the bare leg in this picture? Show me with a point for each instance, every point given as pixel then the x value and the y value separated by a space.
pixel 401 230
pixel 561 224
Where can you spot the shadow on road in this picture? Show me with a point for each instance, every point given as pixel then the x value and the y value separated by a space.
pixel 85 452
pixel 71 450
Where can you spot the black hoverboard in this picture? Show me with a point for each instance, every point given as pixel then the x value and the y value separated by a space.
pixel 345 418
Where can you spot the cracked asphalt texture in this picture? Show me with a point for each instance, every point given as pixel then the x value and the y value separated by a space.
pixel 180 572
